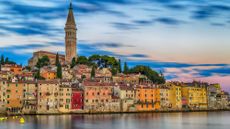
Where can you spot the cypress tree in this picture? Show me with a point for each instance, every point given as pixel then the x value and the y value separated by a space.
pixel 73 62
pixel 119 66
pixel 57 62
pixel 59 71
pixel 126 68
pixel 93 72
pixel 2 59
pixel 6 60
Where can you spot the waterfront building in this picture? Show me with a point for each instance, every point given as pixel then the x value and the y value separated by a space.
pixel 77 100
pixel 222 100
pixel 127 96
pixel 213 91
pixel 96 95
pixel 15 97
pixel 164 97
pixel 48 97
pixel 175 95
pixel 39 54
pixel 3 88
pixel 30 97
pixel 65 96
pixel 148 98
pixel 194 95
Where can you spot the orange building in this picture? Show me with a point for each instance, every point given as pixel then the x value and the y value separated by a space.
pixel 14 97
pixel 48 74
pixel 16 69
pixel 148 98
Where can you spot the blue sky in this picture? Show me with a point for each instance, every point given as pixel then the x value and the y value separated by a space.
pixel 186 39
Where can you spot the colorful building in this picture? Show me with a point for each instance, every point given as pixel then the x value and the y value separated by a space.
pixel 15 97
pixel 96 95
pixel 48 73
pixel 194 95
pixel 30 97
pixel 16 69
pixel 77 100
pixel 48 96
pixel 65 96
pixel 3 88
pixel 164 97
pixel 127 96
pixel 175 95
pixel 148 98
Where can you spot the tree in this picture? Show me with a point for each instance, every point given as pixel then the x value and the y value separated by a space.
pixel 7 60
pixel 126 68
pixel 73 62
pixel 114 71
pixel 119 66
pixel 44 61
pixel 93 72
pixel 57 62
pixel 2 60
pixel 59 71
pixel 37 74
pixel 152 75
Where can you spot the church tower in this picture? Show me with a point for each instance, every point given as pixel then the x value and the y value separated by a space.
pixel 70 36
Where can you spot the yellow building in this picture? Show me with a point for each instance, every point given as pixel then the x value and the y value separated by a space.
pixel 148 98
pixel 194 96
pixel 48 96
pixel 65 93
pixel 175 95
pixel 164 97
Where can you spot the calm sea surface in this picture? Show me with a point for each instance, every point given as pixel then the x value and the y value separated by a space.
pixel 199 120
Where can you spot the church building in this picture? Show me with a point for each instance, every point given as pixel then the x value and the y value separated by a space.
pixel 70 44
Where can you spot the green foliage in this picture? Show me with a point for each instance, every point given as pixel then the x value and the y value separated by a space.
pixel 104 61
pixel 57 62
pixel 59 71
pixel 114 71
pixel 119 66
pixel 151 74
pixel 44 61
pixel 2 60
pixel 82 60
pixel 93 72
pixel 38 76
pixel 73 62
pixel 126 68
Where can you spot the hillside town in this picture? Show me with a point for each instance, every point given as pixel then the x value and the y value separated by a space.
pixel 54 83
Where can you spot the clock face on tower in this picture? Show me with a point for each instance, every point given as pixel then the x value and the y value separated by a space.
pixel 70 37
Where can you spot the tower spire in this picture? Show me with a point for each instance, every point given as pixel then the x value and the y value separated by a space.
pixel 70 36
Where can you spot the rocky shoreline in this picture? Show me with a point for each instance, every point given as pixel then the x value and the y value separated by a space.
pixel 112 112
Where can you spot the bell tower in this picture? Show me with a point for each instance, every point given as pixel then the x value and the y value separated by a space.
pixel 70 36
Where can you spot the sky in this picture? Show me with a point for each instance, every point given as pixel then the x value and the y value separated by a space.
pixel 185 39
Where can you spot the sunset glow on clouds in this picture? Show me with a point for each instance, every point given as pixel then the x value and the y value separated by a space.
pixel 186 39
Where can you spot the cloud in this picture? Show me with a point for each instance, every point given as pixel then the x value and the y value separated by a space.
pixel 210 11
pixel 139 56
pixel 169 21
pixel 123 26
